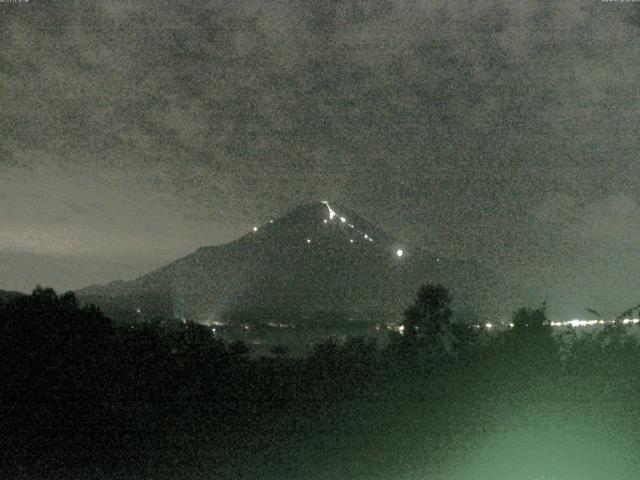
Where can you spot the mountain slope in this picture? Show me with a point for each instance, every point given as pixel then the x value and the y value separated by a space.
pixel 317 261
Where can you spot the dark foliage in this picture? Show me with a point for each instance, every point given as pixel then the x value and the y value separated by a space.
pixel 83 397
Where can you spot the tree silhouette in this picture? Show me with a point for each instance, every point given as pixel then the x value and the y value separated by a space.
pixel 429 316
pixel 280 350
pixel 532 343
pixel 238 348
pixel 427 323
pixel 531 321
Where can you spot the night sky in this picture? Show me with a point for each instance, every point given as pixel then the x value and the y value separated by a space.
pixel 133 132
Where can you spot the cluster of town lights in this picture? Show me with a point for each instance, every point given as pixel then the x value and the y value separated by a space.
pixel 574 323
pixel 589 323
pixel 568 323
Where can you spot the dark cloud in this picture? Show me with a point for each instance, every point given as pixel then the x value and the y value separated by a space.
pixel 454 124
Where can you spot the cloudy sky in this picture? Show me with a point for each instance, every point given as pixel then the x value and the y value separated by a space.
pixel 133 132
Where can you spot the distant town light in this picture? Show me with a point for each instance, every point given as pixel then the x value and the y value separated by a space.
pixel 351 240
pixel 324 221
pixel 255 229
pixel 489 326
pixel 342 219
pixel 399 252
pixel 308 240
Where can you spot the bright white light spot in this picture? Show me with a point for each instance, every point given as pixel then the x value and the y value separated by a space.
pixel 581 323
pixel 270 221
pixel 576 322
pixel 351 225
pixel 325 220
pixel 255 229
pixel 308 240
pixel 627 321
pixel 351 241
pixel 213 329
pixel 401 328
pixel 342 219
pixel 399 252
pixel 366 236
pixel 488 326
pixel 331 212
pixel 138 310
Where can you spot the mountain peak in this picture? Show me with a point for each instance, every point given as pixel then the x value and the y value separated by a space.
pixel 320 220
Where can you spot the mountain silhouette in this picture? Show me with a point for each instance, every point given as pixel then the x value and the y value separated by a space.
pixel 318 261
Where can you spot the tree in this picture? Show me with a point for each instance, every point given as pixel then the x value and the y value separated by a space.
pixel 69 300
pixel 430 314
pixel 427 323
pixel 532 341
pixel 238 348
pixel 46 296
pixel 531 321
pixel 280 350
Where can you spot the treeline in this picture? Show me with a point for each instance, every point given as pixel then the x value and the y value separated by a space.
pixel 83 394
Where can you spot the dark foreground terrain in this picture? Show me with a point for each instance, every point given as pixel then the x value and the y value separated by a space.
pixel 85 399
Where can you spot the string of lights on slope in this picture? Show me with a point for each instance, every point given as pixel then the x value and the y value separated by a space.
pixel 332 216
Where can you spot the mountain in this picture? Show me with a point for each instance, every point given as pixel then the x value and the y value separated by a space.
pixel 318 261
